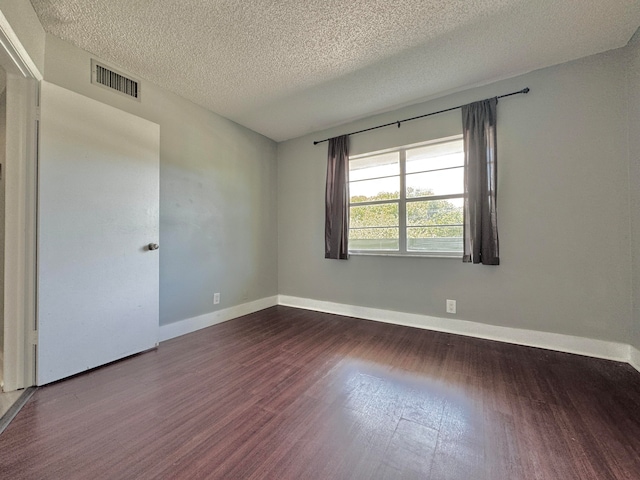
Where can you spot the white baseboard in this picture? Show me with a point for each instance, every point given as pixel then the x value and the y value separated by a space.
pixel 634 358
pixel 532 338
pixel 189 325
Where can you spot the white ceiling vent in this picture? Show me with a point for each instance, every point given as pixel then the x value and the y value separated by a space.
pixel 109 78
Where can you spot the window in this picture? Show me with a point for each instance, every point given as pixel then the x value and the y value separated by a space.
pixel 409 200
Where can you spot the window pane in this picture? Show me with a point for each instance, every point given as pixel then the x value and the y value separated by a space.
pixel 374 167
pixel 385 215
pixel 435 212
pixel 434 239
pixel 374 239
pixel 433 157
pixel 379 189
pixel 441 182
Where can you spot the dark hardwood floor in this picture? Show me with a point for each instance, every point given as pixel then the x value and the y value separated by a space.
pixel 292 394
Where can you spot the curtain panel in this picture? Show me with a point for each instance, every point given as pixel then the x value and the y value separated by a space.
pixel 336 225
pixel 480 182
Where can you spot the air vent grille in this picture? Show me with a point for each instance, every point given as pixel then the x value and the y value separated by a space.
pixel 114 80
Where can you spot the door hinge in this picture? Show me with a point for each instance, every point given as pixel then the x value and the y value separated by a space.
pixel 33 337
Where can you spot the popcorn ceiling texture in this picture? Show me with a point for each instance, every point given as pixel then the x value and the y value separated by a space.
pixel 290 67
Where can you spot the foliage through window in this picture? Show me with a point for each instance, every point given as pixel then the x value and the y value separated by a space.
pixel 408 200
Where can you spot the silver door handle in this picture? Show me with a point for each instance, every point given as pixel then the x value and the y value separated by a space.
pixel 154 246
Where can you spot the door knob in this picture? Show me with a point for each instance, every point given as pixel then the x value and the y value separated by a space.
pixel 154 246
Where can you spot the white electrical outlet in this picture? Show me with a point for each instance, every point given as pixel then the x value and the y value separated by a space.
pixel 216 298
pixel 451 306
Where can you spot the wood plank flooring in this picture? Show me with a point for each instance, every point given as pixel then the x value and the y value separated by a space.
pixel 292 394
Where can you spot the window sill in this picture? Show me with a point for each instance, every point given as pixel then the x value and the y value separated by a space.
pixel 402 255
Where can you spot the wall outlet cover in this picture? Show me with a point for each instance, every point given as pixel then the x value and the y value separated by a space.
pixel 451 306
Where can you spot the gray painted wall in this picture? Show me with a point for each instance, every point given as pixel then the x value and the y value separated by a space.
pixel 24 22
pixel 634 176
pixel 218 203
pixel 563 202
pixel 563 211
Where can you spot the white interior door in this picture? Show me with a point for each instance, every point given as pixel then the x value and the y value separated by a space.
pixel 98 212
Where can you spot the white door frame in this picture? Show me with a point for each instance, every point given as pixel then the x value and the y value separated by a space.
pixel 23 79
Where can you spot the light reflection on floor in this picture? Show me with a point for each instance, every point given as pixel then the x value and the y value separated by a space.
pixel 399 410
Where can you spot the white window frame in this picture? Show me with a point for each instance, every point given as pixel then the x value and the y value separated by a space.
pixel 402 203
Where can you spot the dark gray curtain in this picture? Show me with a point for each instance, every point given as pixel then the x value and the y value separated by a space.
pixel 480 182
pixel 336 224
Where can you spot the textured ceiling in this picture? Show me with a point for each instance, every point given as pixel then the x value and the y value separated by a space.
pixel 289 67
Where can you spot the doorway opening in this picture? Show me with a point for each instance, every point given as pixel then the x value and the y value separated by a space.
pixel 19 84
pixel 3 121
pixel 7 399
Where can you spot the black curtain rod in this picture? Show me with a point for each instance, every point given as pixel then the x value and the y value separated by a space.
pixel 398 122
